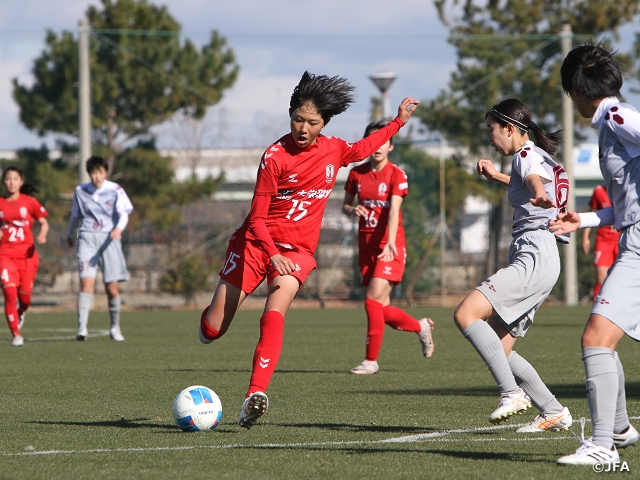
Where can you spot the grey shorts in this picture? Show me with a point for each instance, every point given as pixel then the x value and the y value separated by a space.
pixel 97 249
pixel 517 291
pixel 619 297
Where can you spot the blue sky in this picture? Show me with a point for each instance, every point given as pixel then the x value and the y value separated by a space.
pixel 274 41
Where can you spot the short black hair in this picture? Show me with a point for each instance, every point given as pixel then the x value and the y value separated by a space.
pixel 376 125
pixel 329 95
pixel 96 162
pixel 591 70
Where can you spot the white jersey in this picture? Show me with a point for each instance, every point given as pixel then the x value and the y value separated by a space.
pixel 531 159
pixel 99 209
pixel 618 126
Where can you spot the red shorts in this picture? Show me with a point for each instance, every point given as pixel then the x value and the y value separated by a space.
pixel 605 253
pixel 20 272
pixel 247 265
pixel 371 266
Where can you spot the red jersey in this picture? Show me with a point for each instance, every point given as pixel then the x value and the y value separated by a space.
pixel 374 190
pixel 16 222
pixel 600 200
pixel 297 183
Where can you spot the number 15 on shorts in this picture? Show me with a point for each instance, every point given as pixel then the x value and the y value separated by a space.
pixel 230 264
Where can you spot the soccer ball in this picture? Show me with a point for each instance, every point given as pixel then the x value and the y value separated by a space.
pixel 197 408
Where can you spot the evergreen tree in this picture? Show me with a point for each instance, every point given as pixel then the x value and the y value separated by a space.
pixel 141 75
pixel 511 49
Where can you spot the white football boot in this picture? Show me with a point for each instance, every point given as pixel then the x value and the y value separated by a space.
pixel 510 404
pixel 82 333
pixel 17 341
pixel 589 453
pixel 544 423
pixel 253 407
pixel 425 336
pixel 21 321
pixel 116 334
pixel 626 439
pixel 366 368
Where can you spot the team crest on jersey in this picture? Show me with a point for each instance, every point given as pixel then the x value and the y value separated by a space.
pixel 329 173
pixel 293 178
pixel 23 212
pixel 382 189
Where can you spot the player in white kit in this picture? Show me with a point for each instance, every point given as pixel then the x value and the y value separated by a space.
pixel 502 308
pixel 103 209
pixel 592 78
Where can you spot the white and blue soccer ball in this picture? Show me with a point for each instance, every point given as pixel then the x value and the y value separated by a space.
pixel 197 408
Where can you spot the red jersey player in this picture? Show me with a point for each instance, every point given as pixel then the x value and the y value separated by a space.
pixel 280 234
pixel 605 251
pixel 381 186
pixel 18 256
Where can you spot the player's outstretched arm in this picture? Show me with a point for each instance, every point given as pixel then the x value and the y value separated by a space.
pixel 565 223
pixel 406 109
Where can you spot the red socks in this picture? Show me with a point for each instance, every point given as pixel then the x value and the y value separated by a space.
pixel 377 316
pixel 207 331
pixel 10 310
pixel 375 328
pixel 399 320
pixel 596 290
pixel 267 351
pixel 24 301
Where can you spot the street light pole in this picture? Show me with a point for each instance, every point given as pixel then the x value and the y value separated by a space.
pixel 571 255
pixel 383 81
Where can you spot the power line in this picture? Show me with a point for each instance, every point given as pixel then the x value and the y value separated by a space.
pixel 493 74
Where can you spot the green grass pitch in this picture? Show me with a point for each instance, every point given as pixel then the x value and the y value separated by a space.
pixel 101 409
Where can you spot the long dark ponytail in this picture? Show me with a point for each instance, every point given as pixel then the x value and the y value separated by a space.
pixel 514 112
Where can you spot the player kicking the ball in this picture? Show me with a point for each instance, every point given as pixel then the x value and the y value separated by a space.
pixel 502 308
pixel 591 76
pixel 381 186
pixel 280 234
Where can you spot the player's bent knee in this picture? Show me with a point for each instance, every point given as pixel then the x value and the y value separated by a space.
pixel 207 330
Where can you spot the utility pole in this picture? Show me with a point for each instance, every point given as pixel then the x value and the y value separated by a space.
pixel 570 258
pixel 84 100
pixel 443 224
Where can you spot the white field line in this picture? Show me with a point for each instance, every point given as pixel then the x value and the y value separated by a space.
pixel 425 437
pixel 93 333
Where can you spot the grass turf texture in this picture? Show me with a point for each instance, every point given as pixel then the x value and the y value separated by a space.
pixel 102 409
